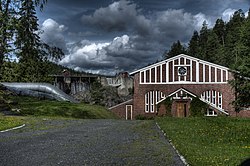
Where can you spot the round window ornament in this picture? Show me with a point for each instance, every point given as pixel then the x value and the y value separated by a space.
pixel 182 70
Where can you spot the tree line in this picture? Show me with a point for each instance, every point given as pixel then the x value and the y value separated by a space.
pixel 227 44
pixel 19 40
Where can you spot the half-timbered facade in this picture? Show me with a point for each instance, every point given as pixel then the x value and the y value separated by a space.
pixel 180 78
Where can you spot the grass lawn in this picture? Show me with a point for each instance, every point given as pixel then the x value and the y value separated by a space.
pixel 53 109
pixel 35 107
pixel 10 122
pixel 209 140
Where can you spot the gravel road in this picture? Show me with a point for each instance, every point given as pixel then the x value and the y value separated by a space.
pixel 87 142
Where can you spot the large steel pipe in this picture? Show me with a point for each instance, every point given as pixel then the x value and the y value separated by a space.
pixel 39 89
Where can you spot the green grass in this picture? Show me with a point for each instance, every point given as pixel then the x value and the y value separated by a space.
pixel 52 109
pixel 10 122
pixel 35 107
pixel 209 140
pixel 152 149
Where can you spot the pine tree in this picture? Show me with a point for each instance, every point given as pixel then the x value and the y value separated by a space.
pixel 220 30
pixel 233 44
pixel 28 42
pixel 5 29
pixel 214 50
pixel 176 49
pixel 193 46
pixel 203 40
pixel 241 83
pixel 32 53
pixel 8 15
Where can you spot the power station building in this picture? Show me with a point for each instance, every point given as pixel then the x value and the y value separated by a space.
pixel 180 79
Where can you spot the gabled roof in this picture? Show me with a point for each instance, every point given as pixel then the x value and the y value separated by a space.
pixel 177 91
pixel 177 57
pixel 125 102
pixel 182 89
pixel 191 94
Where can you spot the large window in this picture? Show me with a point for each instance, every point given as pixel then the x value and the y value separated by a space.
pixel 151 99
pixel 212 97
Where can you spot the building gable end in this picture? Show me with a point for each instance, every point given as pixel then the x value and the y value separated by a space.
pixel 183 69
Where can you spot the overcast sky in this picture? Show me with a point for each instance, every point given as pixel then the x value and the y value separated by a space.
pixel 106 36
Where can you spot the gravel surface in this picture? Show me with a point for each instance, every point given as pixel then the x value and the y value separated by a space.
pixel 87 142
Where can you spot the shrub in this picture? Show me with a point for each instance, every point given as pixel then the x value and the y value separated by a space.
pixel 168 106
pixel 142 117
pixel 197 107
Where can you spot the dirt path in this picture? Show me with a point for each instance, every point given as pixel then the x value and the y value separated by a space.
pixel 87 142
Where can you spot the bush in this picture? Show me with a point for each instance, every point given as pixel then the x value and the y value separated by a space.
pixel 142 117
pixel 82 114
pixel 197 107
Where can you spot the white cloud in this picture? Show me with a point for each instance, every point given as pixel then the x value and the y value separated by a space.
pixel 104 56
pixel 119 43
pixel 246 14
pixel 227 14
pixel 86 55
pixel 53 34
pixel 200 18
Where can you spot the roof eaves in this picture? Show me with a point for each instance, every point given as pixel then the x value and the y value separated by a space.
pixel 176 57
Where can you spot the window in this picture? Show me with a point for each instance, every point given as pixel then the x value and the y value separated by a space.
pixel 203 95
pixel 159 96
pixel 207 97
pixel 182 70
pixel 211 112
pixel 147 102
pixel 219 100
pixel 151 99
pixel 214 97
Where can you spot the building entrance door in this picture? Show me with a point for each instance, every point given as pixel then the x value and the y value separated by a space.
pixel 181 109
pixel 129 112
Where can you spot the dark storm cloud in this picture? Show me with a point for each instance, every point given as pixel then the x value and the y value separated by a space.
pixel 125 16
pixel 208 7
pixel 146 40
pixel 118 16
pixel 175 24
pixel 129 34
